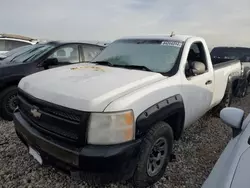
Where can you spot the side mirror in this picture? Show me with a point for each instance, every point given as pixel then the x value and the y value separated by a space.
pixel 49 62
pixel 198 68
pixel 233 117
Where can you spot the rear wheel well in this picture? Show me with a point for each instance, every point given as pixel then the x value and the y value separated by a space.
pixel 176 122
pixel 234 84
pixel 248 78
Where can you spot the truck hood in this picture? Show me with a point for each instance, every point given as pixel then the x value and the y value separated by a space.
pixel 86 86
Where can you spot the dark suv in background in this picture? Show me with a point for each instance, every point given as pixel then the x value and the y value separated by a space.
pixel 222 54
pixel 30 59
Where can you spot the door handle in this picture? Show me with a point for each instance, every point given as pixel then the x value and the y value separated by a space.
pixel 208 82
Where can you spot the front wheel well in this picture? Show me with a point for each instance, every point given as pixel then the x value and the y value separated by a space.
pixel 9 84
pixel 176 122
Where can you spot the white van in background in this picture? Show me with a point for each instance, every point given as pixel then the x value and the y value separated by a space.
pixel 9 42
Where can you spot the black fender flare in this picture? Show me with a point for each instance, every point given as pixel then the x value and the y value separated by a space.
pixel 246 73
pixel 233 82
pixel 170 110
pixel 237 82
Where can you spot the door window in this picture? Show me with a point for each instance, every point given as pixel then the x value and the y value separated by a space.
pixel 196 53
pixel 67 54
pixel 90 52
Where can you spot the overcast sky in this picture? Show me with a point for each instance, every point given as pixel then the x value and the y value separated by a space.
pixel 220 22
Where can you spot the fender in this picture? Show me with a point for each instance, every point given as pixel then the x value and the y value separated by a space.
pixel 171 110
pixel 10 80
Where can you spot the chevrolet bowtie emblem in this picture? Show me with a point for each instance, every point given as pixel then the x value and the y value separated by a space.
pixel 35 112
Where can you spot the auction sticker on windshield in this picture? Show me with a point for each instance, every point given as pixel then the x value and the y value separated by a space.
pixel 36 155
pixel 171 43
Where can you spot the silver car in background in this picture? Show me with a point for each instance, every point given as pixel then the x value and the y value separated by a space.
pixel 233 167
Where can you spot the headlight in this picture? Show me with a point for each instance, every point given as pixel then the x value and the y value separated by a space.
pixel 111 128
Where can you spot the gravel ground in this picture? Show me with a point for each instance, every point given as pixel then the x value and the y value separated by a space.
pixel 196 153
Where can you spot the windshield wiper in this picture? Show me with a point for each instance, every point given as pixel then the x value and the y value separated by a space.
pixel 139 67
pixel 24 53
pixel 29 58
pixel 103 63
pixel 107 63
pixel 13 59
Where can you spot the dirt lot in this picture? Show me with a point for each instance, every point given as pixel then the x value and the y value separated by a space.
pixel 197 151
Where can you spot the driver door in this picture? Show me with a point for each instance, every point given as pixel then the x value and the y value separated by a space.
pixel 197 89
pixel 64 55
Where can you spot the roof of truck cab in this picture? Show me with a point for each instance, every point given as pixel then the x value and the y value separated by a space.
pixel 160 37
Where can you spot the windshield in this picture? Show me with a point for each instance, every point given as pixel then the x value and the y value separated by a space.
pixel 18 50
pixel 156 55
pixel 242 54
pixel 32 53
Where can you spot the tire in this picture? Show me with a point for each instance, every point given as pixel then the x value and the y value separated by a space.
pixel 248 83
pixel 8 99
pixel 244 89
pixel 225 102
pixel 143 177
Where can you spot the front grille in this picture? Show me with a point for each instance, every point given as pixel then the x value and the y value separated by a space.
pixel 66 115
pixel 55 121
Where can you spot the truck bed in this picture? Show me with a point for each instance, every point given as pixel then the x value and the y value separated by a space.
pixel 224 64
pixel 222 72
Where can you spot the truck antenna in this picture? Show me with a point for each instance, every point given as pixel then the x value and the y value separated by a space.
pixel 172 34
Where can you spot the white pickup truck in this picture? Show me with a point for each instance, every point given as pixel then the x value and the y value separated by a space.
pixel 117 116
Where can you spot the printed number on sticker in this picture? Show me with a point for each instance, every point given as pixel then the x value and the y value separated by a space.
pixel 171 43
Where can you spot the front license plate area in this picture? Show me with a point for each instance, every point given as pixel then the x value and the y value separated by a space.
pixel 36 155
